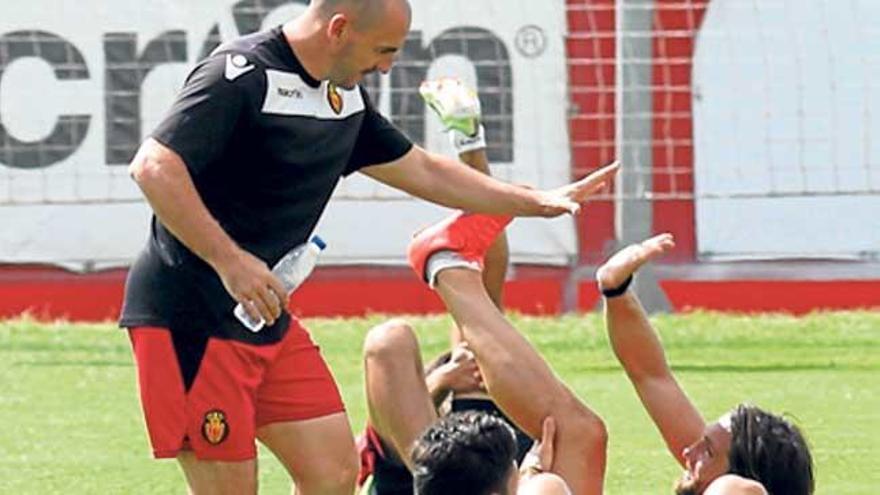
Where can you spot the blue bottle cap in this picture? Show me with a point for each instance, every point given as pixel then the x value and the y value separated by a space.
pixel 319 242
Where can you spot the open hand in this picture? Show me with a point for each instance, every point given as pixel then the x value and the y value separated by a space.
pixel 568 198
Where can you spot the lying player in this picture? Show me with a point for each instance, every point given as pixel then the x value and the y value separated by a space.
pixel 449 256
pixel 402 401
pixel 392 365
pixel 747 451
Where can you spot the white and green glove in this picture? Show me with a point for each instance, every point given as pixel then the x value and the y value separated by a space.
pixel 459 110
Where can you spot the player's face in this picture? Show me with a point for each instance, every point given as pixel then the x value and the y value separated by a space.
pixel 373 50
pixel 705 459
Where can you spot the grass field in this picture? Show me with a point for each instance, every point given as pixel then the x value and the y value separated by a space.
pixel 70 420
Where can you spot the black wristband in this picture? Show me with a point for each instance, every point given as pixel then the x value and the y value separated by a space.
pixel 619 290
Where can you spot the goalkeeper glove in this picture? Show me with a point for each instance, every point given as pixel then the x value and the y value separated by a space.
pixel 459 110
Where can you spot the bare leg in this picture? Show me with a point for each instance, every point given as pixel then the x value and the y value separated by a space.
pixel 523 385
pixel 398 402
pixel 495 270
pixel 318 453
pixel 494 274
pixel 498 254
pixel 213 477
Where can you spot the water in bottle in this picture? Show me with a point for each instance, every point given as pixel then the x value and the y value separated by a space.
pixel 292 269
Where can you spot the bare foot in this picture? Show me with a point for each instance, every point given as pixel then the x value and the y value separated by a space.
pixel 625 262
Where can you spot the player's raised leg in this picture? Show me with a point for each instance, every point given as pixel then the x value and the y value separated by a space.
pixel 459 110
pixel 398 402
pixel 522 384
pixel 450 256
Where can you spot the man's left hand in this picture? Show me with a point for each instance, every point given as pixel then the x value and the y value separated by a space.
pixel 568 199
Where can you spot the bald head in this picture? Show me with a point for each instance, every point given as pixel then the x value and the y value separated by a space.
pixel 364 13
pixel 342 41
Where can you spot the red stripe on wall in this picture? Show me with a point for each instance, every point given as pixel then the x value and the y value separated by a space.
pixel 51 293
pixel 590 48
pixel 48 294
pixel 751 296
pixel 675 27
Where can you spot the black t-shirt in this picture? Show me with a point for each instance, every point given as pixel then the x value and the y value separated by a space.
pixel 265 144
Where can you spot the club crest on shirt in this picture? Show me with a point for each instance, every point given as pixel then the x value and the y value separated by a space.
pixel 334 98
pixel 214 428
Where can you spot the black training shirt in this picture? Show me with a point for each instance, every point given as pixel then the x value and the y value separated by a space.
pixel 265 144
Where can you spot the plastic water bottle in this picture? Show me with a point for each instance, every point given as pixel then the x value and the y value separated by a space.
pixel 292 269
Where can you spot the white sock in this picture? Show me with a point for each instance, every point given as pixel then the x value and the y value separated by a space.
pixel 441 260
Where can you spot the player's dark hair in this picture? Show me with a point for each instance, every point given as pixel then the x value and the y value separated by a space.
pixel 771 450
pixel 468 452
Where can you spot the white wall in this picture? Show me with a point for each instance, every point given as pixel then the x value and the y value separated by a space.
pixel 787 104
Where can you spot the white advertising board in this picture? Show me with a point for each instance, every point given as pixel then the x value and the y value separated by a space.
pixel 81 84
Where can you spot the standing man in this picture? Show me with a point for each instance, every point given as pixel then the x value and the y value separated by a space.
pixel 748 451
pixel 237 174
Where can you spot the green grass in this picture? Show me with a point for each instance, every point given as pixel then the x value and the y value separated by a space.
pixel 70 420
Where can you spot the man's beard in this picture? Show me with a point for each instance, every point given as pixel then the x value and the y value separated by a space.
pixel 686 486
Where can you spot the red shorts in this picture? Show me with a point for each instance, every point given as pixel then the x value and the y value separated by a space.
pixel 238 388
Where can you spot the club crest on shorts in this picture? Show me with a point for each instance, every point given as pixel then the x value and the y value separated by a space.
pixel 334 98
pixel 214 428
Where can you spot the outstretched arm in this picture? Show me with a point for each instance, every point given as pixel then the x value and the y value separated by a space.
pixel 640 352
pixel 447 182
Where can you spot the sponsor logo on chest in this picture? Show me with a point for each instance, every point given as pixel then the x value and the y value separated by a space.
pixel 288 94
